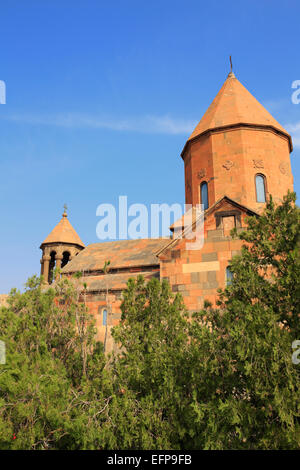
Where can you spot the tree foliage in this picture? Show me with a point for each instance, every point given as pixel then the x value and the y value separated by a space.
pixel 247 388
pixel 222 379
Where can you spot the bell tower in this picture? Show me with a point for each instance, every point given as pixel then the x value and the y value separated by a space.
pixel 61 245
pixel 239 150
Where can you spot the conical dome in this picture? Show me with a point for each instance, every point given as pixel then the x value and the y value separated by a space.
pixel 237 150
pixel 63 233
pixel 234 105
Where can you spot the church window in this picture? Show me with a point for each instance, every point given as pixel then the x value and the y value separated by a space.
pixel 260 188
pixel 204 195
pixel 104 317
pixel 229 276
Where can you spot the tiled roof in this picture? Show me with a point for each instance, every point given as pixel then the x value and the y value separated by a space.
pixel 121 254
pixel 63 233
pixel 113 281
pixel 234 105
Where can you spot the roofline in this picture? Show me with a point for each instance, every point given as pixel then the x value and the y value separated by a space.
pixel 125 268
pixel 128 240
pixel 116 289
pixel 206 213
pixel 209 210
pixel 213 130
pixel 134 266
pixel 61 243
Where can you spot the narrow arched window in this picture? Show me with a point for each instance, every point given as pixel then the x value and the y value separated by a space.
pixel 260 185
pixel 104 317
pixel 204 195
pixel 51 266
pixel 229 276
pixel 66 258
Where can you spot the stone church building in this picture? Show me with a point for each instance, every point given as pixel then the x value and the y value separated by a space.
pixel 237 155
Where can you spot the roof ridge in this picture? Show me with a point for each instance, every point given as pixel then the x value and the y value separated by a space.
pixel 203 215
pixel 120 253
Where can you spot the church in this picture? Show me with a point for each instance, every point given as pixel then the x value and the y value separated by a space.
pixel 235 158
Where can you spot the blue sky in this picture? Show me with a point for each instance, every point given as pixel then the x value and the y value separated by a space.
pixel 101 97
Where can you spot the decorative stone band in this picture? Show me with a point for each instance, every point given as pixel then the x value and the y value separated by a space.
pixel 201 267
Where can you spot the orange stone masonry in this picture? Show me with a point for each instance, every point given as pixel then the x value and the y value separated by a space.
pixel 235 140
pixel 59 247
pixel 236 143
pixel 197 274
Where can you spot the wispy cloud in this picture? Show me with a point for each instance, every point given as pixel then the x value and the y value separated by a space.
pixel 276 104
pixel 294 130
pixel 148 124
pixel 144 124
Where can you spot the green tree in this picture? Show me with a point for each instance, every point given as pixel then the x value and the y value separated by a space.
pixel 245 387
pixel 223 379
pixel 150 369
pixel 51 361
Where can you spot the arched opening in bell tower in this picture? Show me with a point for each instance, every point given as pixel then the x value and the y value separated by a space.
pixel 51 266
pixel 66 258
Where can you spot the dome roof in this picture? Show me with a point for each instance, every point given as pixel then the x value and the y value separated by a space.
pixel 63 233
pixel 234 105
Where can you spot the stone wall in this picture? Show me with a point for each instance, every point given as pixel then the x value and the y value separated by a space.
pixel 198 274
pixel 229 161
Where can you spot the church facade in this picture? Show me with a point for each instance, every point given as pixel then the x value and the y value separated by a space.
pixel 235 158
